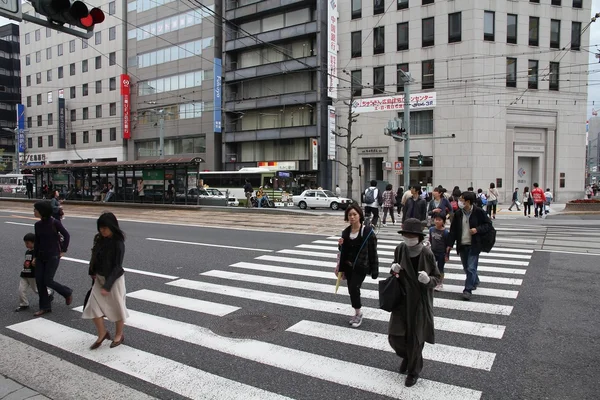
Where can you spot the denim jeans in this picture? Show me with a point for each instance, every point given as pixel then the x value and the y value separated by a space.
pixel 470 259
pixel 45 269
pixel 440 259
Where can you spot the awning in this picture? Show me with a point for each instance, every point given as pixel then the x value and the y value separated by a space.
pixel 135 163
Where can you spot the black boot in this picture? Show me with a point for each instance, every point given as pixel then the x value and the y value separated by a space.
pixel 404 366
pixel 411 380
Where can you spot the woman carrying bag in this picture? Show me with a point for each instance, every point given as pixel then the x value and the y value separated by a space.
pixel 358 257
pixel 411 324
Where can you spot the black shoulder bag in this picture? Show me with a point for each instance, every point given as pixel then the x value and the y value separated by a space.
pixel 391 291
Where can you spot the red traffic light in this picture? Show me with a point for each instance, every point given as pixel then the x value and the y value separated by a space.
pixel 94 17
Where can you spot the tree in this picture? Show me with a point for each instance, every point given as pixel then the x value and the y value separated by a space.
pixel 350 140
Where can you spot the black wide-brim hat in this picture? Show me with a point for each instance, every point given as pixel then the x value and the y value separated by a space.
pixel 412 225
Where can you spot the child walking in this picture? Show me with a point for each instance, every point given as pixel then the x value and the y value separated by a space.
pixel 28 275
pixel 438 237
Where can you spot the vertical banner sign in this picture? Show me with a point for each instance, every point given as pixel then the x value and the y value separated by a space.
pixel 314 151
pixel 62 126
pixel 217 100
pixel 21 127
pixel 332 130
pixel 332 48
pixel 126 100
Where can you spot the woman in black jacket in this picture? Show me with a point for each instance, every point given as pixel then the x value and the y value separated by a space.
pixel 358 257
pixel 107 297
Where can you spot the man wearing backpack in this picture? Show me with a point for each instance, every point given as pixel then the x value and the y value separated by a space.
pixel 372 202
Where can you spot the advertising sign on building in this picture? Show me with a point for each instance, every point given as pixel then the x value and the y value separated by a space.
pixel 314 154
pixel 126 100
pixel 332 48
pixel 217 98
pixel 418 101
pixel 62 125
pixel 21 127
pixel 332 137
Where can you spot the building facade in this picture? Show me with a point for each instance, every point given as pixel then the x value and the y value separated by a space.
pixel 275 98
pixel 506 78
pixel 71 91
pixel 593 152
pixel 174 63
pixel 10 91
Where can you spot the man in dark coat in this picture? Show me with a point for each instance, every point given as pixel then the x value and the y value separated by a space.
pixel 468 227
pixel 415 206
pixel 411 325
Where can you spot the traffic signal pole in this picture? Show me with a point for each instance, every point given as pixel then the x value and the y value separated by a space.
pixel 406 118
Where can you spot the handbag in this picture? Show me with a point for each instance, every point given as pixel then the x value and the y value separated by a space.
pixel 391 294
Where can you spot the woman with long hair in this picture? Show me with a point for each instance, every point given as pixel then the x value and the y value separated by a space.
pixel 527 202
pixel 492 200
pixel 107 297
pixel 48 248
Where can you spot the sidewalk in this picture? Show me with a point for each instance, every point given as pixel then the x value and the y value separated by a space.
pixel 11 390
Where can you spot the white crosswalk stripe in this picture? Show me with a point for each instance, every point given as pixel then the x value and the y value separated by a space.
pixel 301 279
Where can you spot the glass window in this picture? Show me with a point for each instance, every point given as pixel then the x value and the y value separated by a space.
pixel 72 92
pixel 38 78
pixel 28 101
pixel 84 89
pixel 84 66
pixel 534 31
pixel 112 58
pixel 576 36
pixel 86 136
pixel 59 49
pixel 399 76
pixel 86 113
pixel 421 122
pixel 428 32
pixel 98 62
pixel 39 99
pixel 555 2
pixel 554 75
pixel 98 37
pixel 71 46
pixel 37 35
pixel 533 74
pixel 379 40
pixel 40 141
pixel 29 143
pixel 29 122
pixel 554 34
pixel 98 86
pixel 378 80
pixel 49 75
pixel 427 71
pixel 27 38
pixel 60 72
pixel 511 72
pixel 356 9
pixel 489 28
pixel 356 44
pixel 27 59
pixel 112 84
pixel 356 78
pixel 113 109
pixel 84 43
pixel 113 134
pixel 111 8
pixel 402 36
pixel 427 2
pixel 72 69
pixel 73 138
pixel 112 33
pixel 50 140
pixel 98 135
pixel 402 4
pixel 454 27
pixel 38 56
pixel 577 3
pixel 378 7
pixel 49 53
pixel 99 111
pixel 511 29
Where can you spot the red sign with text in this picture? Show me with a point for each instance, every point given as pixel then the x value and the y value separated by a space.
pixel 126 98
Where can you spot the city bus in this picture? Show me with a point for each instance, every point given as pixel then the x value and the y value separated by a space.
pixel 274 182
pixel 14 183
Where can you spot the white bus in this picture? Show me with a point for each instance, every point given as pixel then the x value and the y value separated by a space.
pixel 14 183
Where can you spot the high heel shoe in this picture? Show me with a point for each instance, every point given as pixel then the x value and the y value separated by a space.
pixel 115 343
pixel 98 344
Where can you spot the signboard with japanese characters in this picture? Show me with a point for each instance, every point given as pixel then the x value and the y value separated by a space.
pixel 394 103
pixel 332 48
pixel 126 99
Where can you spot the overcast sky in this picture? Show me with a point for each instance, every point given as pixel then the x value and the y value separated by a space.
pixel 593 89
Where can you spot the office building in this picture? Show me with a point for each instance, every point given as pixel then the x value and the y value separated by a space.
pixel 507 78
pixel 275 98
pixel 10 91
pixel 71 90
pixel 174 60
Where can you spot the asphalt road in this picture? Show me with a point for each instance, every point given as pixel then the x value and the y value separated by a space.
pixel 272 340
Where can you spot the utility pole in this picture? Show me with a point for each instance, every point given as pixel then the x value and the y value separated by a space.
pixel 17 169
pixel 406 117
pixel 161 124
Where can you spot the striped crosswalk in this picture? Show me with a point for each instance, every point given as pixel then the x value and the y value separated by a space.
pixel 300 281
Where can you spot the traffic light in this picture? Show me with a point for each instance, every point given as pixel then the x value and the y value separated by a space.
pixel 62 12
pixel 420 160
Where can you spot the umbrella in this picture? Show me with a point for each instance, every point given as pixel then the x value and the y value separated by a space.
pixel 339 279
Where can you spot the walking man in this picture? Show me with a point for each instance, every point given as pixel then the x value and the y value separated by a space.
pixel 468 226
pixel 29 188
pixel 415 206
pixel 515 200
pixel 248 193
pixel 373 200
pixel 539 198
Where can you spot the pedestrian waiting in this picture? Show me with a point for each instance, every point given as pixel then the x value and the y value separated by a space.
pixel 27 280
pixel 389 200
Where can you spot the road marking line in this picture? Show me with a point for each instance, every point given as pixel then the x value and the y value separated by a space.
pixel 444 324
pixel 438 352
pixel 459 305
pixel 157 370
pixel 568 252
pixel 17 223
pixel 209 245
pixel 133 271
pixel 185 303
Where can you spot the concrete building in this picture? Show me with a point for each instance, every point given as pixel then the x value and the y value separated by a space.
pixel 10 88
pixel 77 80
pixel 593 152
pixel 507 78
pixel 276 61
pixel 174 63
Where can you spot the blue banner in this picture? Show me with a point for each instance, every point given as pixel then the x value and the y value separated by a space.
pixel 217 98
pixel 21 127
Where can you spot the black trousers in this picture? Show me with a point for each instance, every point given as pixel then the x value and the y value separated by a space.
pixel 412 354
pixel 373 211
pixel 355 281
pixel 44 278
pixel 539 209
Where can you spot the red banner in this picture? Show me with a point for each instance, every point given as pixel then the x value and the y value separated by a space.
pixel 126 98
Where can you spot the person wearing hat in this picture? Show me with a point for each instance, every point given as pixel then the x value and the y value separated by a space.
pixel 411 325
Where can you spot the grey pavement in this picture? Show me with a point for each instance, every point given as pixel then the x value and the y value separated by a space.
pixel 12 390
pixel 275 290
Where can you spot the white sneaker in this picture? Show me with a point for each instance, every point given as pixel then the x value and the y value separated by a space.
pixel 384 225
pixel 353 319
pixel 357 321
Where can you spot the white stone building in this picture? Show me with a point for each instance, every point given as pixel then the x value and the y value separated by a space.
pixel 507 78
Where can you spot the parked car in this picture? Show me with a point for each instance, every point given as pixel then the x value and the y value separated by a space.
pixel 231 200
pixel 321 199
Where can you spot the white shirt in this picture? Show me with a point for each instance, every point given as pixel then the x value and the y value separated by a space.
pixel 338 191
pixel 466 230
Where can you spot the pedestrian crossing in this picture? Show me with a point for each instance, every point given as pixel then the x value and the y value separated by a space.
pixel 300 282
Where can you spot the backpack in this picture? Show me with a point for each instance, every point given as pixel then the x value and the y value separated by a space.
pixel 487 240
pixel 370 196
pixel 483 199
